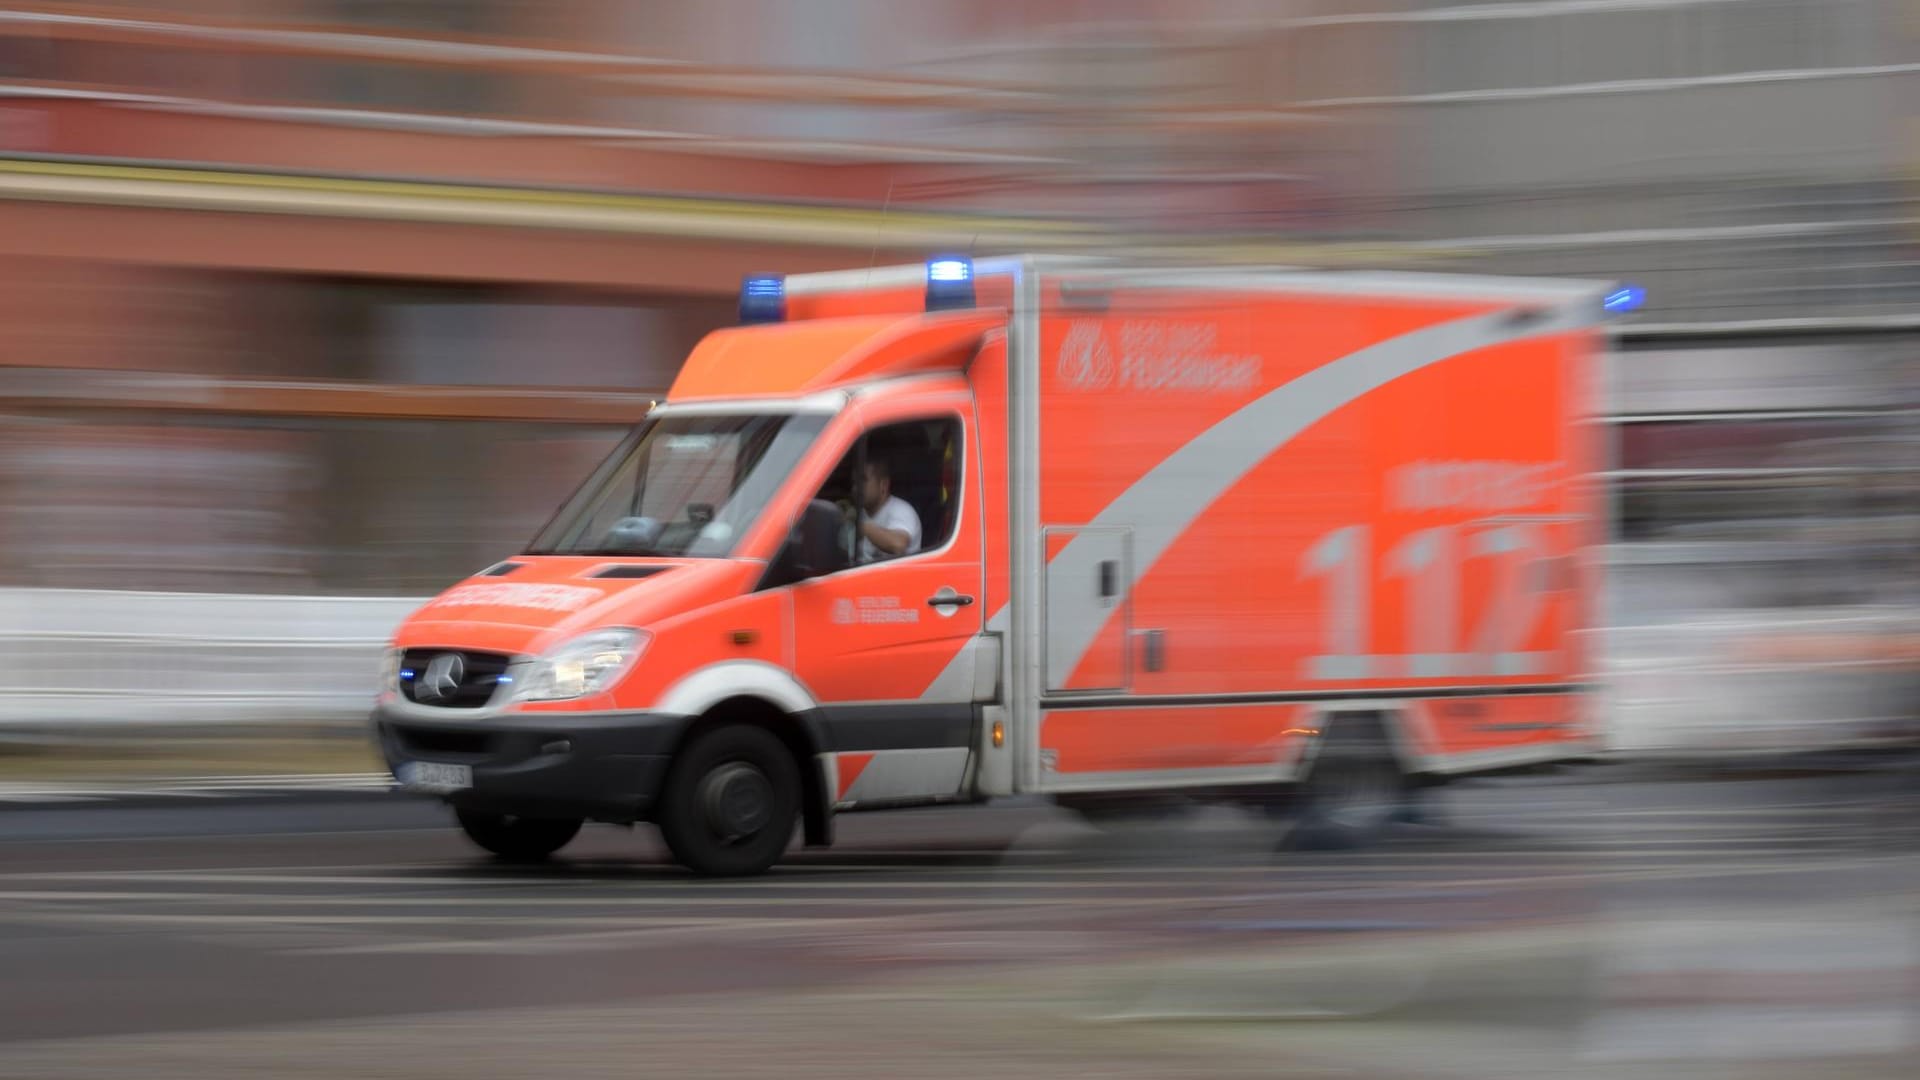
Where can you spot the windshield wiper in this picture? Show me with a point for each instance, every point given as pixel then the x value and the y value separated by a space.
pixel 625 552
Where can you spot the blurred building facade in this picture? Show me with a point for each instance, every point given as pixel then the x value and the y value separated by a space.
pixel 335 296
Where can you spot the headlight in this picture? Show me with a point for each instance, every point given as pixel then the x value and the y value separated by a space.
pixel 586 665
pixel 390 670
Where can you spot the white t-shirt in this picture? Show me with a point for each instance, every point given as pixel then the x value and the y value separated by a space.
pixel 897 515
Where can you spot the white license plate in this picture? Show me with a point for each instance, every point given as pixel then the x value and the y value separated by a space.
pixel 434 776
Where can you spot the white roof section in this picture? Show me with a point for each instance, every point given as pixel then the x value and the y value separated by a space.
pixel 1116 273
pixel 823 403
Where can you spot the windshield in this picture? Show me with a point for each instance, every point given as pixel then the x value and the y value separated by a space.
pixel 681 486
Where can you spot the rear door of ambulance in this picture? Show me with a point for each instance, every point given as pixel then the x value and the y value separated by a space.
pixel 1260 497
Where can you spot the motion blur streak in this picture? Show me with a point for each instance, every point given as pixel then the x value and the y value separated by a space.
pixel 312 308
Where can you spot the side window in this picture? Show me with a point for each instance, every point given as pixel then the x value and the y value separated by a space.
pixel 898 490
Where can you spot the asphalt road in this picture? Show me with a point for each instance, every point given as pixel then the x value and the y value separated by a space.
pixel 1613 923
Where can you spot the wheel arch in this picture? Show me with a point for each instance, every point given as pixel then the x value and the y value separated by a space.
pixel 1394 719
pixel 797 733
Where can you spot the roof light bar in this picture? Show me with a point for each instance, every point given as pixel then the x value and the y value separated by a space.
pixel 949 283
pixel 1624 299
pixel 763 298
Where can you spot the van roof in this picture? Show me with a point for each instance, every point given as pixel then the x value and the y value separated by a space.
pixel 791 359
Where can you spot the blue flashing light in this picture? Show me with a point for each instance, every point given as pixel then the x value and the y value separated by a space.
pixel 504 679
pixel 763 298
pixel 1624 299
pixel 406 673
pixel 949 283
pixel 949 270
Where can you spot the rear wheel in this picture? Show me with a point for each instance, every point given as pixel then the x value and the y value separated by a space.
pixel 518 839
pixel 731 802
pixel 1354 791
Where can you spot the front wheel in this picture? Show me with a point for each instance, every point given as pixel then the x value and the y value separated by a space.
pixel 518 839
pixel 731 802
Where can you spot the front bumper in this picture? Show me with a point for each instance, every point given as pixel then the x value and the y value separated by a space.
pixel 600 766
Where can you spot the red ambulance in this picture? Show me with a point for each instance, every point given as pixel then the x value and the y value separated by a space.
pixel 1100 532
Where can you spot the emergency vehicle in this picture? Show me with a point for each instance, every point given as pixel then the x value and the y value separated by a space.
pixel 1252 534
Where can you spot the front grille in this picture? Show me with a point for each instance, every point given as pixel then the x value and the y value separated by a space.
pixel 429 742
pixel 467 681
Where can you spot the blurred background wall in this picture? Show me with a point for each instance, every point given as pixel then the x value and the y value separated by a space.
pixel 335 298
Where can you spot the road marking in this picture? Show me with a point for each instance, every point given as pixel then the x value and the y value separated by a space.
pixel 196 838
pixel 615 926
pixel 1796 810
pixel 197 787
pixel 273 869
pixel 145 918
pixel 863 902
pixel 626 922
pixel 864 875
pixel 691 897
pixel 1158 880
pixel 663 876
pixel 1609 829
pixel 543 943
pixel 1194 889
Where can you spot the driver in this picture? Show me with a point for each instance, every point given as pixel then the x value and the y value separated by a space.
pixel 888 525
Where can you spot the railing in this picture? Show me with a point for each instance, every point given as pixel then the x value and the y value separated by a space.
pixel 1732 682
pixel 74 658
pixel 1676 682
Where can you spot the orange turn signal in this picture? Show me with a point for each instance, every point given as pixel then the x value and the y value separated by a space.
pixel 999 734
pixel 744 637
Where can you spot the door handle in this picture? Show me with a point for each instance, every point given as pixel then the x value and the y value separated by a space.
pixel 1153 649
pixel 943 599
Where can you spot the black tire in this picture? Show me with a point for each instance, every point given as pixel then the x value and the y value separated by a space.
pixel 518 839
pixel 1354 791
pixel 731 802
